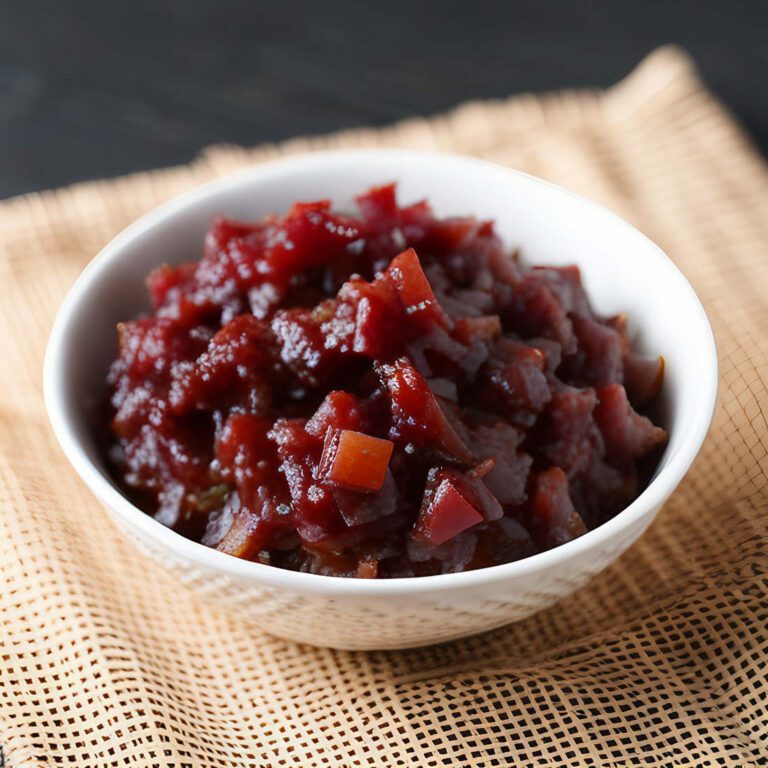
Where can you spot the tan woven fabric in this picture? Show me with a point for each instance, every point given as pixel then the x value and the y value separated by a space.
pixel 661 661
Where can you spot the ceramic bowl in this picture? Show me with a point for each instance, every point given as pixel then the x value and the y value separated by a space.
pixel 622 270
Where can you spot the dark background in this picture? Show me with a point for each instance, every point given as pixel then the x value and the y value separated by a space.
pixel 93 89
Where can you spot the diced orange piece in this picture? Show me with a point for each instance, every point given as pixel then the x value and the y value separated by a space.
pixel 244 538
pixel 448 514
pixel 356 460
pixel 367 569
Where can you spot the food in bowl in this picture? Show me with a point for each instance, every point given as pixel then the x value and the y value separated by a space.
pixel 383 394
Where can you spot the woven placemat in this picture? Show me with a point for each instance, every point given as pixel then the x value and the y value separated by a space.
pixel 659 661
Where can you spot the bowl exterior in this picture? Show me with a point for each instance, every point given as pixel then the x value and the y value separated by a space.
pixel 385 622
pixel 622 271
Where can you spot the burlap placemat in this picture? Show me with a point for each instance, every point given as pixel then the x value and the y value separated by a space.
pixel 660 661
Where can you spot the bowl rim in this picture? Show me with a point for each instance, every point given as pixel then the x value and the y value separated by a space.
pixel 657 491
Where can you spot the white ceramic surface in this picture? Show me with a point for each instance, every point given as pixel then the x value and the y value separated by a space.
pixel 623 271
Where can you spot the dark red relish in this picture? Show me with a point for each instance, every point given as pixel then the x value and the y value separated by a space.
pixel 377 395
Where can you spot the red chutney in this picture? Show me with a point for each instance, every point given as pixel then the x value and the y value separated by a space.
pixel 377 395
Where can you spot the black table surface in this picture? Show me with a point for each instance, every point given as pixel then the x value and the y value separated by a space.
pixel 94 89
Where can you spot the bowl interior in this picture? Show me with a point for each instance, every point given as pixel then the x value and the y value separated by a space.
pixel 622 270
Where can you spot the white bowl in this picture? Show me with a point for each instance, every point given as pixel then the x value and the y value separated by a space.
pixel 623 271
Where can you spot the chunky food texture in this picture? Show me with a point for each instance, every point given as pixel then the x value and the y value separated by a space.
pixel 377 395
